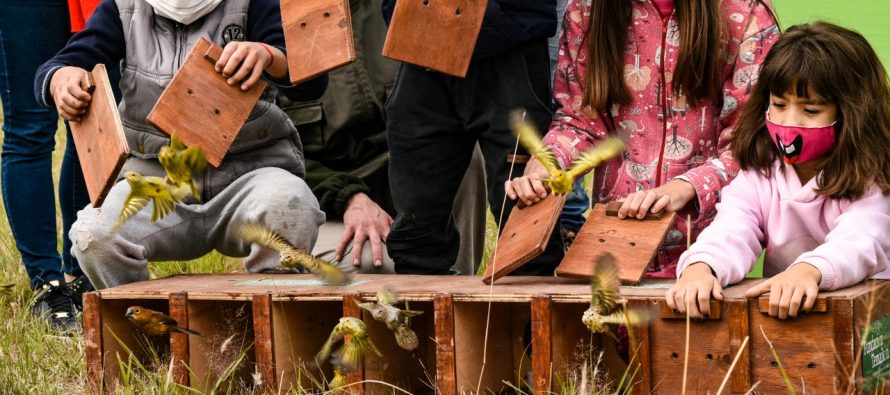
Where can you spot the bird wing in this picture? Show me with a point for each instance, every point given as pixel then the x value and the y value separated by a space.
pixel 597 154
pixel 335 336
pixel 259 234
pixel 628 317
pixel 605 283
pixel 531 140
pixel 387 296
pixel 132 204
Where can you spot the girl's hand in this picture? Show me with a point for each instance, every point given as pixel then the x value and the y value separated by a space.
pixel 528 187
pixel 787 289
pixel 244 62
pixel 672 196
pixel 68 94
pixel 693 290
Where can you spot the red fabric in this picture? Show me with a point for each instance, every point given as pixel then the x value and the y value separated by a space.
pixel 665 7
pixel 80 11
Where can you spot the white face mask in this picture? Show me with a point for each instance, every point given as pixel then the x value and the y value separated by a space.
pixel 183 11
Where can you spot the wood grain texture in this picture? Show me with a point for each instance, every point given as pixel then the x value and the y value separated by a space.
pixel 642 348
pixel 446 372
pixel 737 312
pixel 318 35
pixel 92 337
pixel 179 342
pixel 634 243
pixel 99 137
pixel 820 306
pixel 524 237
pixel 264 340
pixel 201 108
pixel 436 34
pixel 542 335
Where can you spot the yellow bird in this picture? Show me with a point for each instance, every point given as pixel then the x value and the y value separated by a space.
pixel 338 383
pixel 396 319
pixel 605 308
pixel 561 181
pixel 154 323
pixel 350 354
pixel 183 164
pixel 161 192
pixel 292 256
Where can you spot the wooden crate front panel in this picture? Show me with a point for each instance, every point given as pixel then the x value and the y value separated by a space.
pixel 412 371
pixel 504 358
pixel 226 330
pixel 299 330
pixel 119 335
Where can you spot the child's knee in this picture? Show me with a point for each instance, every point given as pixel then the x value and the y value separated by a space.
pixel 87 234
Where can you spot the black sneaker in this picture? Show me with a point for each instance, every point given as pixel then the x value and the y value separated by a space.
pixel 54 303
pixel 77 288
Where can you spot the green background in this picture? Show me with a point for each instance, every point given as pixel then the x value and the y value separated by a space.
pixel 871 18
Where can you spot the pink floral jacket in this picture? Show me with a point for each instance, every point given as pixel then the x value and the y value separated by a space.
pixel 667 138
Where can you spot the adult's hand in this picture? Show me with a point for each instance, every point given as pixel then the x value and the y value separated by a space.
pixel 529 187
pixel 364 220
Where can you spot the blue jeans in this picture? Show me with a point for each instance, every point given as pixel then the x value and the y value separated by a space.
pixel 32 31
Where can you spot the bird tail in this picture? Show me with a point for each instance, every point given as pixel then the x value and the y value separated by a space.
pixel 328 272
pixel 405 337
pixel 187 331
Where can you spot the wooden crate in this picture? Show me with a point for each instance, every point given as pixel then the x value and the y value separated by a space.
pixel 534 334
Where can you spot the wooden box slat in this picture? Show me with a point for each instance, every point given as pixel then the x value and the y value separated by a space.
pixel 436 34
pixel 99 138
pixel 318 35
pixel 524 237
pixel 201 108
pixel 179 342
pixel 634 244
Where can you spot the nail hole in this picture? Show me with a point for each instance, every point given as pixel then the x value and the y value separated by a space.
pixel 426 2
pixel 675 355
pixel 327 14
pixel 632 244
pixel 811 365
pixel 303 25
pixel 216 111
pixel 535 223
pixel 225 137
pixel 457 12
pixel 773 364
pixel 709 356
pixel 191 92
pixel 602 240
pixel 513 235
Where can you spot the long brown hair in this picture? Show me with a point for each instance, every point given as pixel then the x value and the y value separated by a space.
pixel 699 69
pixel 836 64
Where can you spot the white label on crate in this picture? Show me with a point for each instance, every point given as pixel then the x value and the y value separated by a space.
pixel 291 283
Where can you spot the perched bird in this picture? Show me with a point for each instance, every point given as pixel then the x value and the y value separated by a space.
pixel 183 164
pixel 348 356
pixel 162 192
pixel 154 323
pixel 397 320
pixel 292 256
pixel 561 181
pixel 605 308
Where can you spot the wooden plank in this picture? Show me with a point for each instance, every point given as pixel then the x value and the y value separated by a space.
pixel 264 340
pixel 179 342
pixel 737 311
pixel 845 347
pixel 668 314
pixel 351 309
pixel 542 352
pixel 613 207
pixel 642 348
pixel 318 35
pixel 92 336
pixel 216 110
pixel 446 371
pixel 436 34
pixel 99 137
pixel 821 305
pixel 524 237
pixel 634 243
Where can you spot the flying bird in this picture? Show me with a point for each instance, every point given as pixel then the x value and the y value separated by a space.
pixel 292 256
pixel 162 192
pixel 350 354
pixel 604 307
pixel 183 164
pixel 397 320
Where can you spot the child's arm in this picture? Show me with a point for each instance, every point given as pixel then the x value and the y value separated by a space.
pixel 787 289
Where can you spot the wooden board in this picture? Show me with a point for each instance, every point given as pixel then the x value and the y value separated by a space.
pixel 318 35
pixel 201 108
pixel 99 137
pixel 436 34
pixel 524 237
pixel 633 242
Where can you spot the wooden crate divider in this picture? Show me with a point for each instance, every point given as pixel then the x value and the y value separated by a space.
pixel 534 334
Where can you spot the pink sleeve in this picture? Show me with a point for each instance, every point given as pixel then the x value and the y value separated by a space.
pixel 732 243
pixel 755 36
pixel 573 130
pixel 857 247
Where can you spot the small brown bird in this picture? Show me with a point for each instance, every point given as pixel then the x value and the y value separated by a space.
pixel 292 256
pixel 350 355
pixel 605 308
pixel 396 319
pixel 154 323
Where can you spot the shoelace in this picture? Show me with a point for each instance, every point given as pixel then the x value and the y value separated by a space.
pixel 58 301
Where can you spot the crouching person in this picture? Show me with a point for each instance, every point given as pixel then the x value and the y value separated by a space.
pixel 260 179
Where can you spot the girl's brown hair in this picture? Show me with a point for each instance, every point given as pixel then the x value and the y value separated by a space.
pixel 822 60
pixel 698 73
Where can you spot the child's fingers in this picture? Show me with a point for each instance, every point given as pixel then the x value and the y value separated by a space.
pixel 717 290
pixel 759 289
pixel 648 199
pixel 255 74
pixel 704 301
pixel 785 301
pixel 797 296
pixel 234 61
pixel 224 57
pixel 669 298
pixel 508 189
pixel 680 300
pixel 77 92
pixel 810 301
pixel 244 68
pixel 775 298
pixel 660 204
pixel 691 304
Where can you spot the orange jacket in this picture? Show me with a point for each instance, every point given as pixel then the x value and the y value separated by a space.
pixel 80 11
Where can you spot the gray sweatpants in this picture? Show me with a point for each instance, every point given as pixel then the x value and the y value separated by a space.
pixel 269 196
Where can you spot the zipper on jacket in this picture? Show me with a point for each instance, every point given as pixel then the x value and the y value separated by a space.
pixel 663 99
pixel 179 42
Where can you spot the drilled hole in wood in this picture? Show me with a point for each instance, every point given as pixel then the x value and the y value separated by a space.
pixel 675 355
pixel 602 240
pixel 513 235
pixel 773 364
pixel 216 111
pixel 457 12
pixel 190 91
pixel 811 365
pixel 709 356
pixel 426 2
pixel 535 223
pixel 303 25
pixel 632 244
pixel 327 14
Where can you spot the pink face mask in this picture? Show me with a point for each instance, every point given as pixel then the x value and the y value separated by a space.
pixel 799 144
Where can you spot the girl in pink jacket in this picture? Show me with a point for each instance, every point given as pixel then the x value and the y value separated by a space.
pixel 671 75
pixel 812 145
